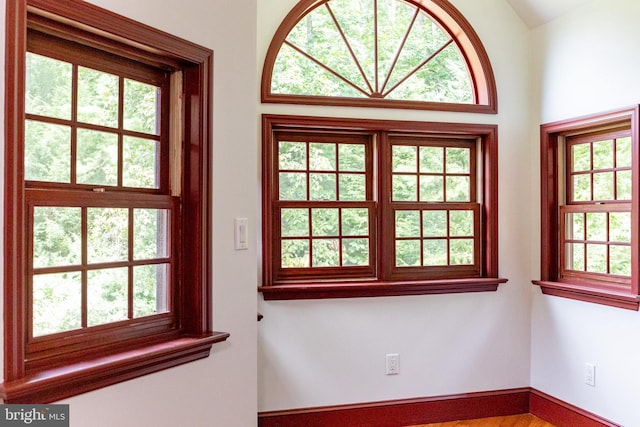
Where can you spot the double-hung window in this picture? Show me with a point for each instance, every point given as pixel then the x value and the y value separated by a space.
pixel 362 208
pixel 107 201
pixel 590 208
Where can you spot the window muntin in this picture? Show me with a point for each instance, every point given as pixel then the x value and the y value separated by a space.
pixel 99 218
pixel 391 53
pixel 324 204
pixel 446 237
pixel 595 222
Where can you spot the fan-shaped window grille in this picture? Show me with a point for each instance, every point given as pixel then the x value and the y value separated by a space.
pixel 385 53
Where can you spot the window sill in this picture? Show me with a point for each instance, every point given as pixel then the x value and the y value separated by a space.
pixel 62 382
pixel 378 289
pixel 612 298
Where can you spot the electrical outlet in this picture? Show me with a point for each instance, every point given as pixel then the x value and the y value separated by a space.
pixel 393 364
pixel 590 374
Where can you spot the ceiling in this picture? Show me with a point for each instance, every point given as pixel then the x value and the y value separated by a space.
pixel 538 12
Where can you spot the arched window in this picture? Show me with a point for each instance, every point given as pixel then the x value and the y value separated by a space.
pixel 415 54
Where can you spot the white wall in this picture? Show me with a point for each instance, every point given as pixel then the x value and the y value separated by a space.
pixel 585 62
pixel 327 352
pixel 219 390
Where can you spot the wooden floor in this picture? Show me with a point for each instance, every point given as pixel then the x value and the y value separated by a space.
pixel 525 420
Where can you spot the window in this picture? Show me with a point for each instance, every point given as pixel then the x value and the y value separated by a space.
pixel 379 53
pixel 104 280
pixel 362 208
pixel 589 240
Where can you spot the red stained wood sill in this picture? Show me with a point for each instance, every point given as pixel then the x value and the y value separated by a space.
pixel 610 297
pixel 378 289
pixel 59 383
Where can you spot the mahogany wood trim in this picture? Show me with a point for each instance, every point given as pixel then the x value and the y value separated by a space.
pixel 481 72
pixel 192 339
pixel 612 298
pixel 550 282
pixel 59 383
pixel 405 411
pixel 438 410
pixel 563 414
pixel 378 289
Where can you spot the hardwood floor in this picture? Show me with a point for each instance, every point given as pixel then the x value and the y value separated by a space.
pixel 525 420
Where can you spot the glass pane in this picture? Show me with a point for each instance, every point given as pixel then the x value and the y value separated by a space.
pixel 352 187
pixel 408 224
pixel 295 253
pixel 323 186
pixel 47 152
pixel 97 97
pixel 458 160
pixel 597 226
pixel 355 252
pixel 293 186
pixel 581 157
pixel 575 256
pixel 620 260
pixel 461 251
pixel 324 222
pixel 603 186
pixel 107 299
pixel 596 258
pixel 404 158
pixel 581 188
pixel 405 188
pixel 435 252
pixel 107 234
pixel 322 157
pixel 620 227
pixel 431 160
pixel 57 303
pixel 603 154
pixel 434 224
pixel 623 152
pixel 97 158
pixel 461 223
pixel 458 189
pixel 141 107
pixel 623 185
pixel 431 189
pixel 355 222
pixel 48 87
pixel 292 155
pixel 351 157
pixel 150 289
pixel 295 222
pixel 57 239
pixel 150 233
pixel 575 226
pixel 407 253
pixel 326 253
pixel 140 163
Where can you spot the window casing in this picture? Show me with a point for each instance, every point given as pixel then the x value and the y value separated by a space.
pixel 589 167
pixel 103 181
pixel 363 208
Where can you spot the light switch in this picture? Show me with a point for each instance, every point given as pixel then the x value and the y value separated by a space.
pixel 241 233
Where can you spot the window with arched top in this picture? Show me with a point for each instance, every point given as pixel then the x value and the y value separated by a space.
pixel 418 54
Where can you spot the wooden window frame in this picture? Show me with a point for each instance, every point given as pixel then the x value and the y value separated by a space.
pixel 447 16
pixel 614 293
pixel 384 282
pixel 193 337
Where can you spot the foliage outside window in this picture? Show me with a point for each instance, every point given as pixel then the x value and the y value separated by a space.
pixel 589 237
pixel 104 281
pixel 379 53
pixel 358 208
